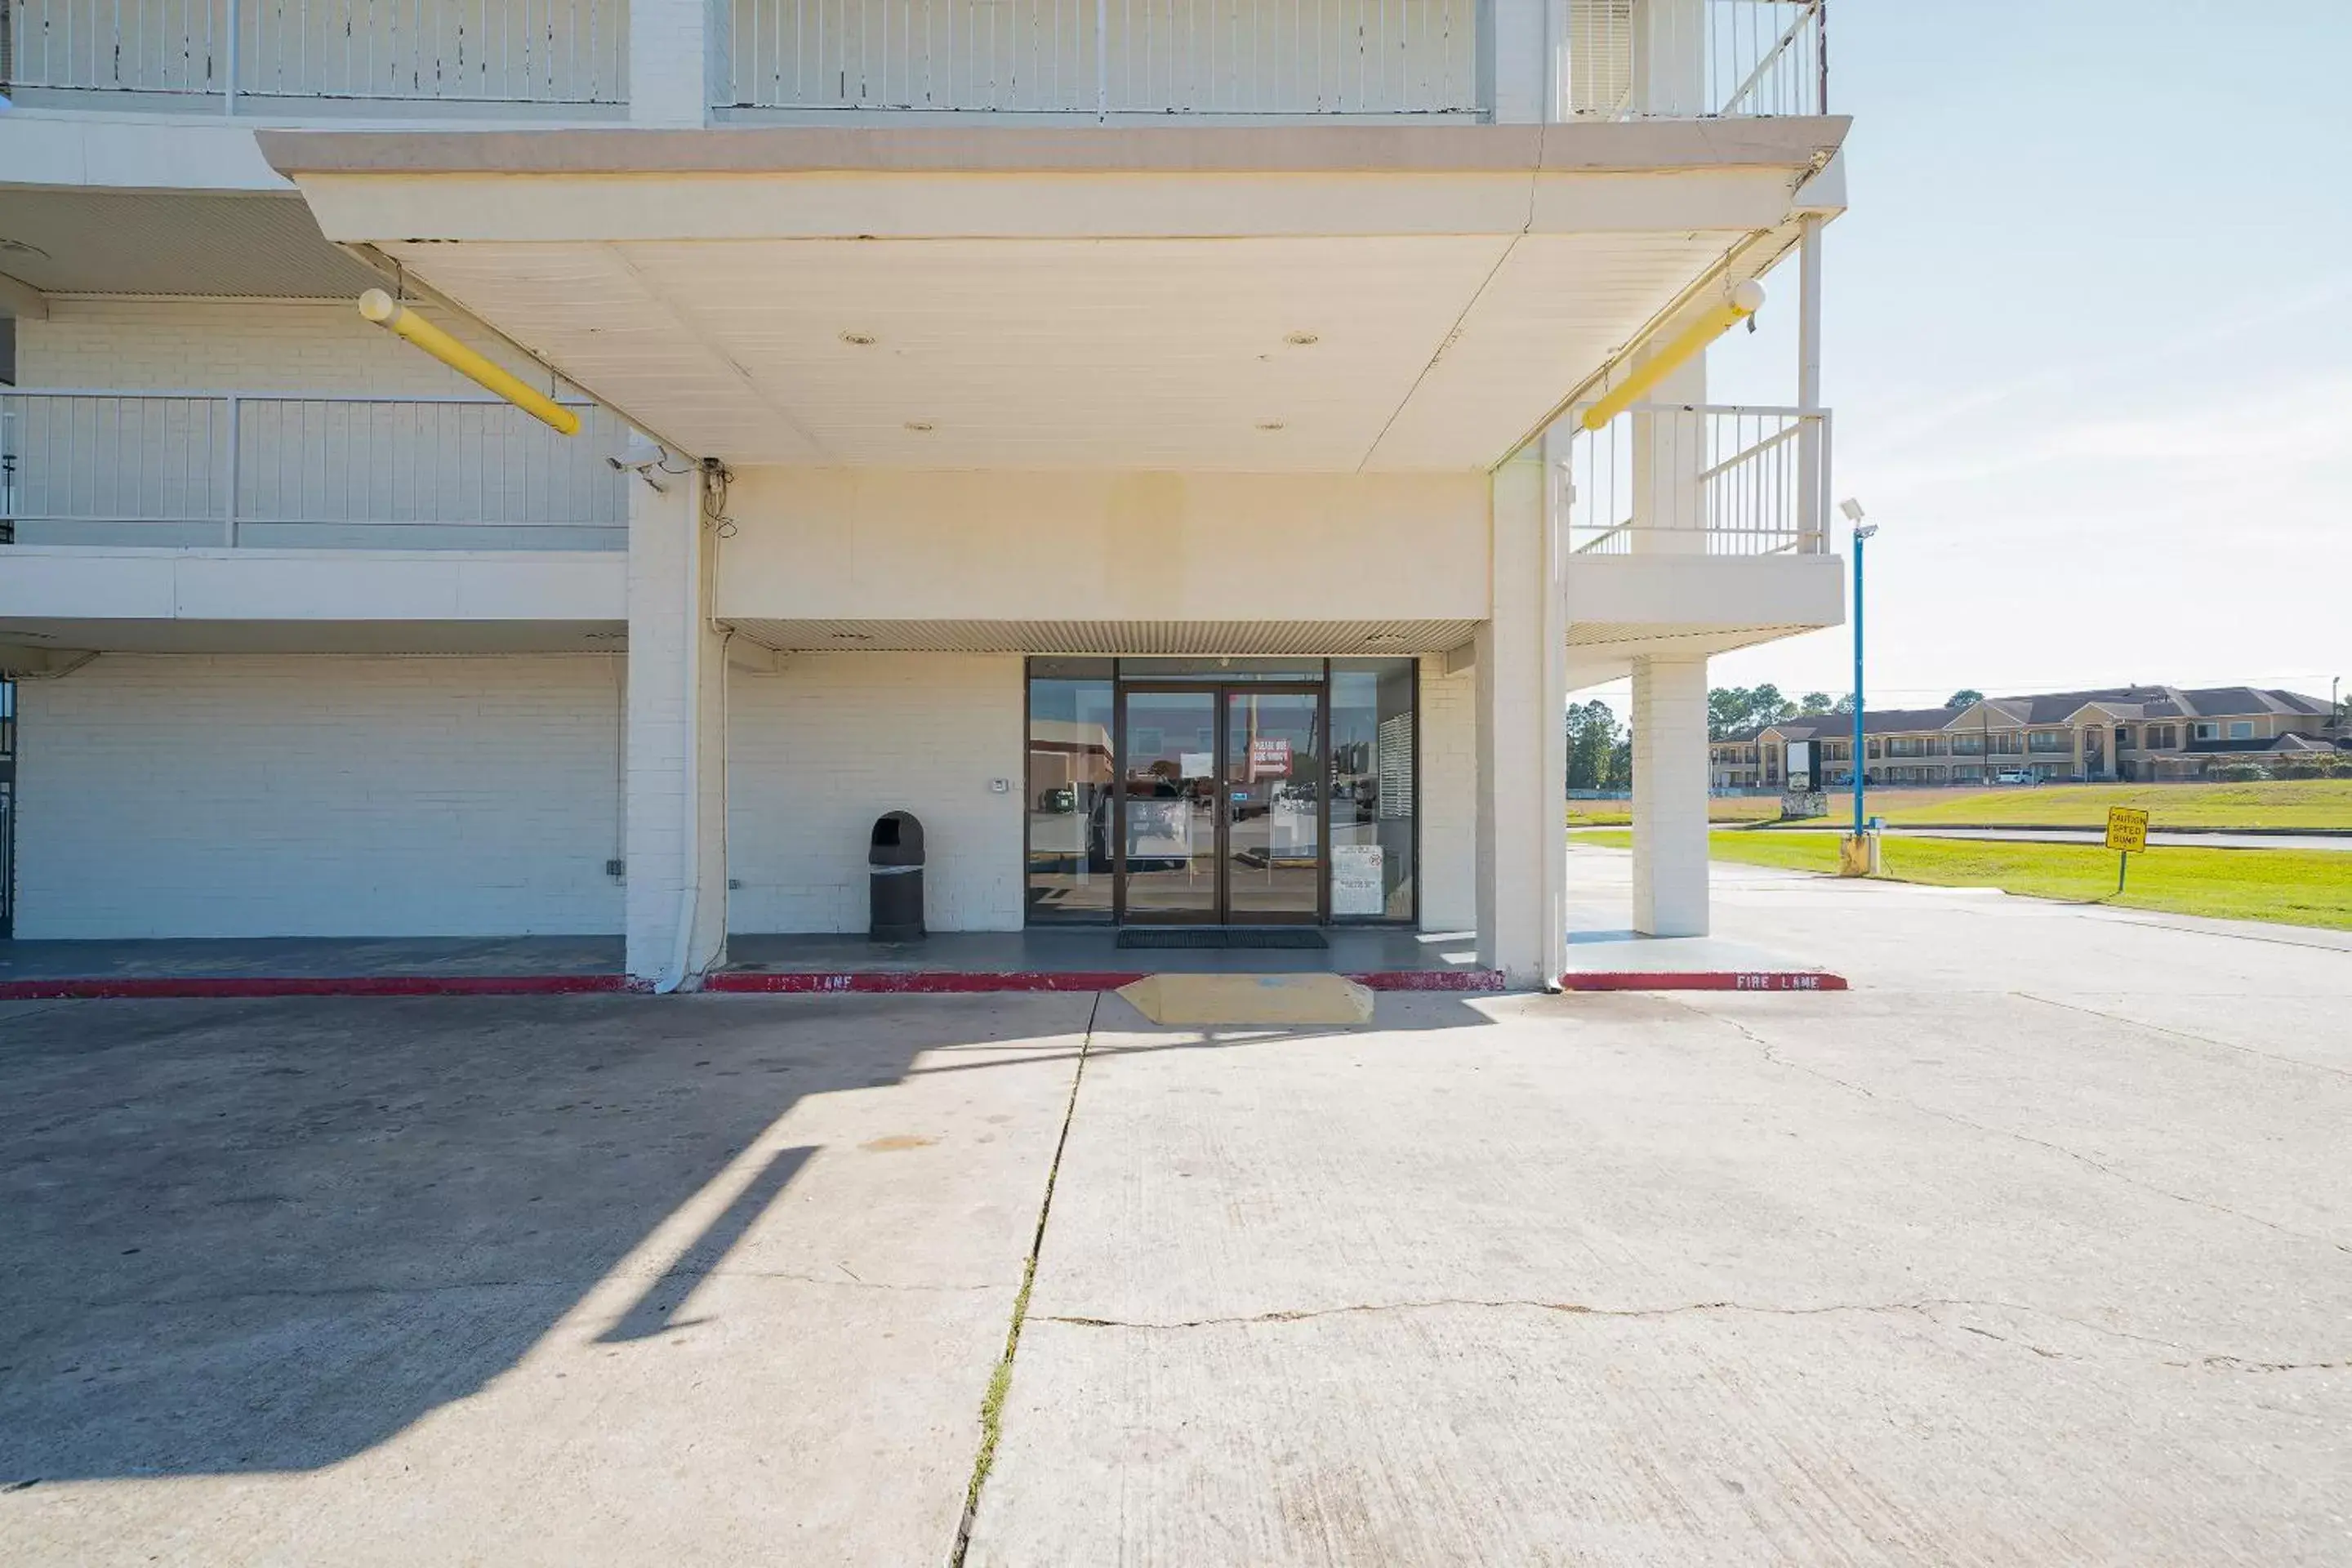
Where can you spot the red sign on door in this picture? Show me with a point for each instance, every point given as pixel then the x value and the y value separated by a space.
pixel 1269 758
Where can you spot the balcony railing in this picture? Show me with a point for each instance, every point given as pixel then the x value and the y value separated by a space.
pixel 1670 479
pixel 1629 59
pixel 180 470
pixel 273 54
pixel 1106 58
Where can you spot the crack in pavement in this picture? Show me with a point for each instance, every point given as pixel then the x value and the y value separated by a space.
pixel 1764 1047
pixel 2182 1034
pixel 1000 1378
pixel 1925 1308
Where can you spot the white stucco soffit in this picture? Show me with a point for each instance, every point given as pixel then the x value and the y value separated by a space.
pixel 1317 298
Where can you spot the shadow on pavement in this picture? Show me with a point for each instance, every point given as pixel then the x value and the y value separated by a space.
pixel 266 1235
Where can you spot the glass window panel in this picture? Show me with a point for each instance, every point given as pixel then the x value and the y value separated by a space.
pixel 1070 794
pixel 1372 788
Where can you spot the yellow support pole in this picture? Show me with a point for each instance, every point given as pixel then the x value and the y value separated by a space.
pixel 1744 301
pixel 403 322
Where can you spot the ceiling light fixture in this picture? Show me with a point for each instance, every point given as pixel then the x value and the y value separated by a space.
pixel 1269 423
pixel 859 340
pixel 921 427
pixel 1302 340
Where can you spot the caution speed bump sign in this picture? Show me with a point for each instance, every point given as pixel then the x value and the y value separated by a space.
pixel 2127 836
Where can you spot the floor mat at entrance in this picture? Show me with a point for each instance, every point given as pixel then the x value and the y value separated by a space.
pixel 1197 937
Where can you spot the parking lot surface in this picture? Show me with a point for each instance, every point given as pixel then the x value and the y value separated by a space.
pixel 2033 1247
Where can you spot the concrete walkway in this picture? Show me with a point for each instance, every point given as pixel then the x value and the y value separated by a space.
pixel 2035 1247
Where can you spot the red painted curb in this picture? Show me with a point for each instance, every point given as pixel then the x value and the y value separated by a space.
pixel 1703 980
pixel 800 984
pixel 935 982
pixel 138 988
pixel 908 981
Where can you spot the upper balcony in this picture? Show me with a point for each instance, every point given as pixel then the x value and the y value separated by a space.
pixel 1124 60
pixel 175 469
pixel 320 59
pixel 815 60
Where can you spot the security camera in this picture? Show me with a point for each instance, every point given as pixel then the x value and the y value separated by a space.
pixel 638 457
pixel 643 459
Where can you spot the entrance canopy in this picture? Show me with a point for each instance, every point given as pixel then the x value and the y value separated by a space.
pixel 1310 299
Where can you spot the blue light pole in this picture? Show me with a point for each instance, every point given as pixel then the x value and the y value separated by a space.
pixel 1861 533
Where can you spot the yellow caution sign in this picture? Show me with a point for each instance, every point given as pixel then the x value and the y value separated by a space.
pixel 2127 829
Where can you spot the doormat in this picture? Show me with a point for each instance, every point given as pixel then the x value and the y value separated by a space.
pixel 1197 937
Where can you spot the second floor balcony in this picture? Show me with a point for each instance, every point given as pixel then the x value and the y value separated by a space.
pixel 319 58
pixel 173 469
pixel 1103 60
pixel 1697 480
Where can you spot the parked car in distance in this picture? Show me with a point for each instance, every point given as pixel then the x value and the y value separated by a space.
pixel 2014 777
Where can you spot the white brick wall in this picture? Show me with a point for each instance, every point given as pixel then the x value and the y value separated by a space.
pixel 293 795
pixel 819 751
pixel 1449 798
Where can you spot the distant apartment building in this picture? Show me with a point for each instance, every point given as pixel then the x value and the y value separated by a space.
pixel 2135 732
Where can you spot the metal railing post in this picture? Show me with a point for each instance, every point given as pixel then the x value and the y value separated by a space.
pixel 229 507
pixel 229 65
pixel 1102 60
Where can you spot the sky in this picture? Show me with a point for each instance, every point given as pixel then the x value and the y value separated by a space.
pixel 2087 340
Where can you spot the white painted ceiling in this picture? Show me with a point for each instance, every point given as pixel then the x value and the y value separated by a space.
pixel 1431 352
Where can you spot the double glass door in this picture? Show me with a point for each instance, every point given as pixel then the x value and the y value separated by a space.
pixel 1221 805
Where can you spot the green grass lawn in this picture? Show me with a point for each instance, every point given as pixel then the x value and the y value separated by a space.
pixel 2312 887
pixel 2283 802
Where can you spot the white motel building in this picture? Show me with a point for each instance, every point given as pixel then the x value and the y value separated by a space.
pixel 1185 452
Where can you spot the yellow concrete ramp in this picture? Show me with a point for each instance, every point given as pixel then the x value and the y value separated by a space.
pixel 1249 999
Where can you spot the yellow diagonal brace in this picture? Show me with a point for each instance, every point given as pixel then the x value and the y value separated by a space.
pixel 1743 302
pixel 400 320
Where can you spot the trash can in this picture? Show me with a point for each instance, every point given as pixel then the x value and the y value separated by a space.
pixel 895 864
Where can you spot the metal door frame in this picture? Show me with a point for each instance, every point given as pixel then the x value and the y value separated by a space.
pixel 1220 692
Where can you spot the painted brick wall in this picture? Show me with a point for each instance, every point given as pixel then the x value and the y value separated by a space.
pixel 1449 798
pixel 290 795
pixel 820 750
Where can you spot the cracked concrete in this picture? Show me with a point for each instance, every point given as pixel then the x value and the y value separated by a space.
pixel 2030 1249
pixel 565 1281
pixel 1932 1271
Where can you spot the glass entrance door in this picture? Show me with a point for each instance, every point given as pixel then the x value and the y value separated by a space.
pixel 1274 795
pixel 1168 806
pixel 1222 804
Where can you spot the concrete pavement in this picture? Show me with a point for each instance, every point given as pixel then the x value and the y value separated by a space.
pixel 2036 1247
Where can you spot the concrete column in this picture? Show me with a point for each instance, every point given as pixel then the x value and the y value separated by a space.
pixel 676 52
pixel 676 908
pixel 1670 797
pixel 1522 701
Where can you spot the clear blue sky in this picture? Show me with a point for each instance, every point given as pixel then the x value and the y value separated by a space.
pixel 2088 339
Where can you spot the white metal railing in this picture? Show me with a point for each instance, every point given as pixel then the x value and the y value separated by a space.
pixel 1104 57
pixel 1696 480
pixel 196 468
pixel 1624 59
pixel 378 51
